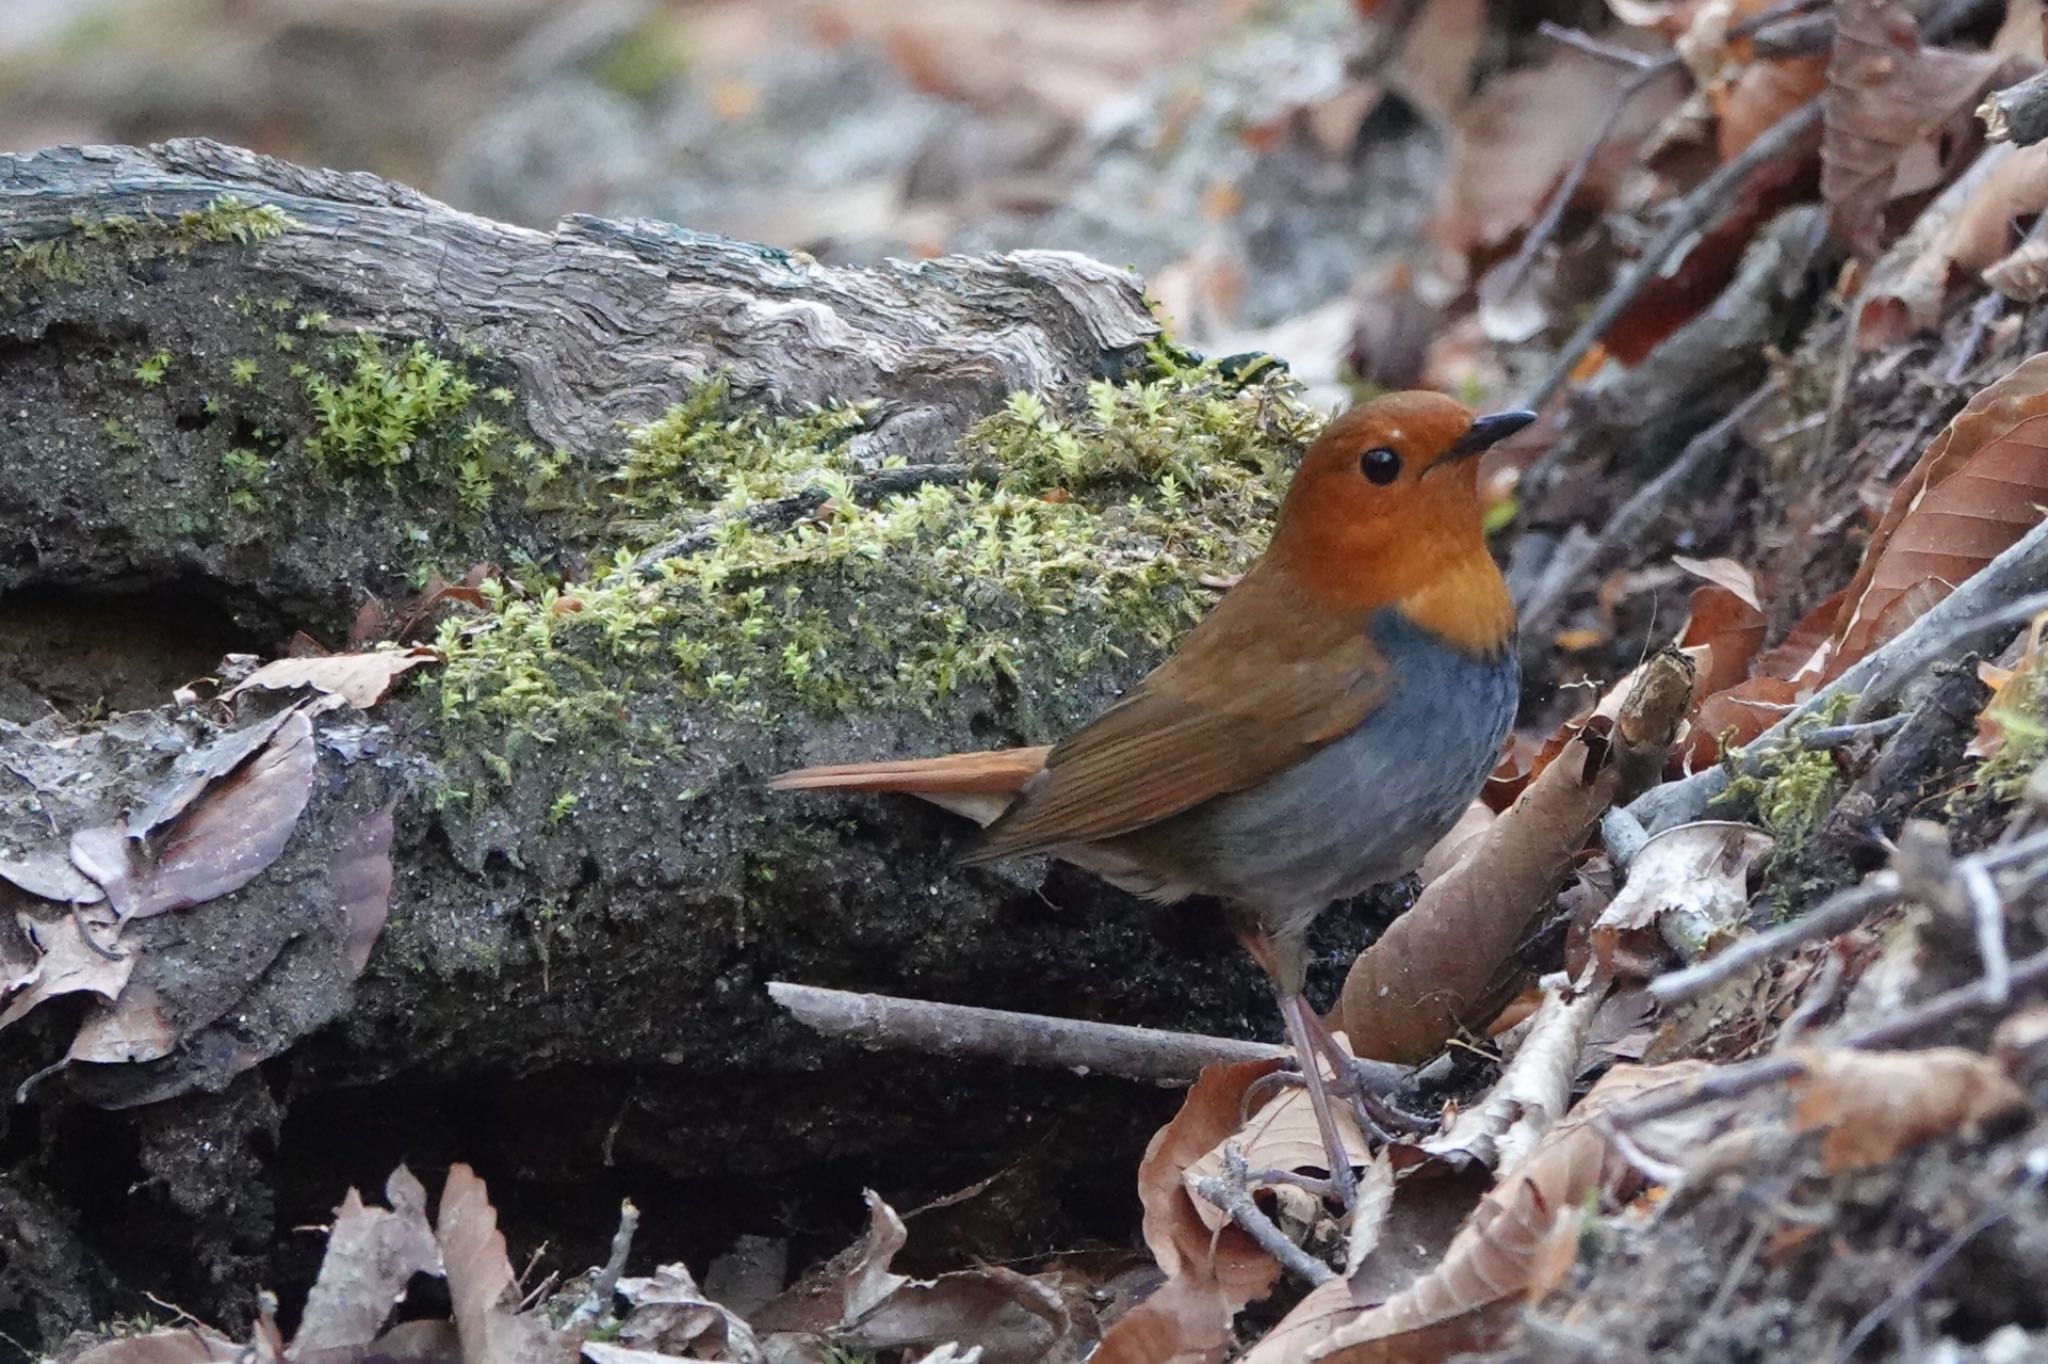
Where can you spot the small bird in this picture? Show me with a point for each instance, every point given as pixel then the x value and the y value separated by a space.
pixel 1312 736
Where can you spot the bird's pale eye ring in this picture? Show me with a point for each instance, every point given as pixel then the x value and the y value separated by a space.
pixel 1380 465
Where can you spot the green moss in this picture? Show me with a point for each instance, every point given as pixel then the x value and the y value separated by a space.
pixel 150 373
pixel 246 472
pixel 224 218
pixel 51 259
pixel 1087 542
pixel 1792 787
pixel 380 413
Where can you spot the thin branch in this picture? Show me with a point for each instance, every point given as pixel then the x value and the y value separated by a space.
pixel 1691 214
pixel 598 1301
pixel 1994 596
pixel 1625 528
pixel 1582 41
pixel 1987 912
pixel 1838 913
pixel 2030 974
pixel 1825 737
pixel 1231 1193
pixel 888 1023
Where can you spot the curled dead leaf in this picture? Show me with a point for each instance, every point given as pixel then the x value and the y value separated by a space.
pixel 1688 884
pixel 371 1254
pixel 1876 1105
pixel 360 679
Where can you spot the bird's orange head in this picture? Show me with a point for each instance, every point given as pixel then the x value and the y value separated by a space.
pixel 1385 511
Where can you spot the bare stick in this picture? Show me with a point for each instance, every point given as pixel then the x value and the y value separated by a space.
pixel 1910 1025
pixel 1626 526
pixel 2018 113
pixel 1691 214
pixel 598 1301
pixel 887 1023
pixel 1838 913
pixel 1605 51
pixel 1995 595
pixel 1987 912
pixel 1231 1193
pixel 1841 736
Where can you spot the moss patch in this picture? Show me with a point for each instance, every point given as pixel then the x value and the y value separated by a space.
pixel 1794 787
pixel 1088 541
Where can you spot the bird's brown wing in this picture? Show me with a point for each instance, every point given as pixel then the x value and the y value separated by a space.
pixel 1259 685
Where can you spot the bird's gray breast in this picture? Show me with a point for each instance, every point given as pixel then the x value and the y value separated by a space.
pixel 1366 807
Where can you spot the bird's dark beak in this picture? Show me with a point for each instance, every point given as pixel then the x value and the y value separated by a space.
pixel 1487 432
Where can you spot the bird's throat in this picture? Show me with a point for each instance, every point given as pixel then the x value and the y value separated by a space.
pixel 1465 604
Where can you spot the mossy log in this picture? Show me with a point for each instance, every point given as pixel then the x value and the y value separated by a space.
pixel 242 399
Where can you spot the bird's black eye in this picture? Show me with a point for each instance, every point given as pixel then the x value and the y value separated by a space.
pixel 1380 464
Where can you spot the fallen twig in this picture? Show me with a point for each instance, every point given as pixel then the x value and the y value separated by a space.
pixel 2017 114
pixel 1231 1192
pixel 1568 569
pixel 598 1301
pixel 1909 1025
pixel 1997 594
pixel 1838 913
pixel 888 1023
pixel 1687 218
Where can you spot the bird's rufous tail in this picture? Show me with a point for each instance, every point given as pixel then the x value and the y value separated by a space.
pixel 979 786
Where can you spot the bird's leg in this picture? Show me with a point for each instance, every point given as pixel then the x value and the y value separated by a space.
pixel 1294 1008
pixel 1376 1113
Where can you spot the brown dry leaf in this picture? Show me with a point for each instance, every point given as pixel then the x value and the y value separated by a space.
pixel 359 679
pixel 239 830
pixel 1532 1092
pixel 480 1280
pixel 1519 137
pixel 371 1254
pixel 1725 573
pixel 1281 1136
pixel 1888 100
pixel 1968 228
pixel 1515 1244
pixel 1977 488
pixel 1414 988
pixel 857 1301
pixel 1449 850
pixel 49 874
pixel 1730 625
pixel 1182 1323
pixel 185 1345
pixel 669 1313
pixel 1180 1242
pixel 193 772
pixel 105 854
pixel 360 873
pixel 1875 1105
pixel 133 1028
pixel 70 964
pixel 1689 885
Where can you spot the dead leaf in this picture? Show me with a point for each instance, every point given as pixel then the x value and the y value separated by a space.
pixel 1229 1262
pixel 1731 626
pixel 1532 1092
pixel 105 854
pixel 1449 850
pixel 70 964
pixel 1517 139
pixel 50 875
pixel 185 1345
pixel 371 1254
pixel 197 769
pixel 132 1028
pixel 1509 1248
pixel 1888 100
pixel 480 1280
pixel 1281 1135
pixel 669 1313
pixel 1688 884
pixel 360 873
pixel 1967 229
pixel 360 679
pixel 1876 1105
pixel 1369 1211
pixel 240 829
pixel 1417 985
pixel 1974 491
pixel 1182 1323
